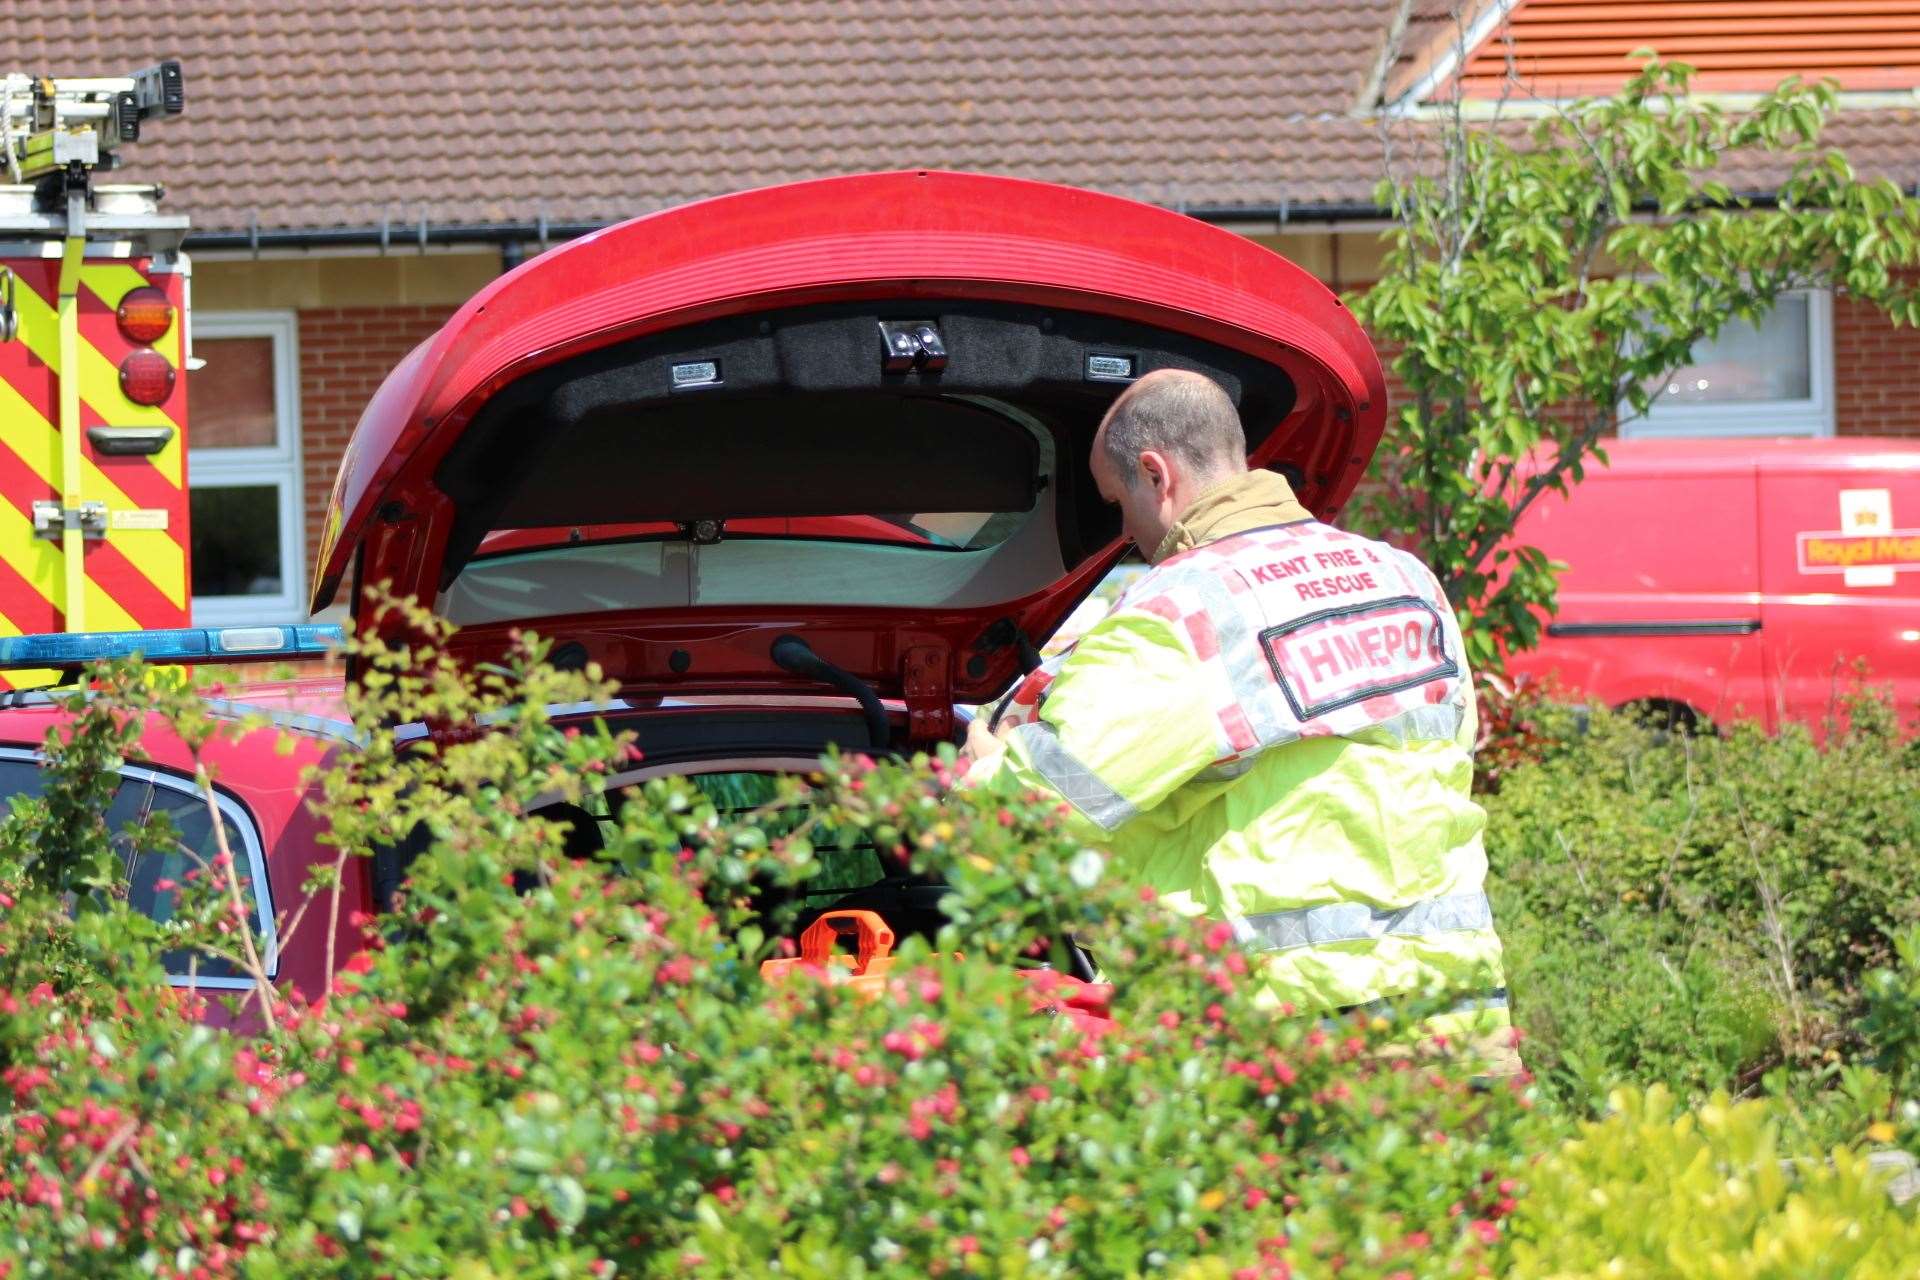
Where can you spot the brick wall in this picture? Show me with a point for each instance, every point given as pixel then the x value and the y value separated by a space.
pixel 345 352
pixel 1876 373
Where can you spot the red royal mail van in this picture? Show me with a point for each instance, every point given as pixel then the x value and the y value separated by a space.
pixel 1735 578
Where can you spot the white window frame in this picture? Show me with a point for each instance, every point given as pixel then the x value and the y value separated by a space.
pixel 277 465
pixel 1810 417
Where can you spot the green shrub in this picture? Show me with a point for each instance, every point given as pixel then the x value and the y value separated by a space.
pixel 1655 1189
pixel 590 1078
pixel 1621 993
pixel 1891 1024
pixel 1720 884
pixel 1521 721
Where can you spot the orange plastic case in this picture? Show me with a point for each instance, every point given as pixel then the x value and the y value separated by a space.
pixel 1087 1004
pixel 865 970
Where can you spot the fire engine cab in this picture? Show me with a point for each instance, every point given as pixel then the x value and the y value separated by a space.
pixel 93 345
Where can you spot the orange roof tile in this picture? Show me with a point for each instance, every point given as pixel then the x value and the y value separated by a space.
pixel 1573 48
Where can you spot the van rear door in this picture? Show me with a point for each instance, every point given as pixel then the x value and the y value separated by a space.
pixel 1840 570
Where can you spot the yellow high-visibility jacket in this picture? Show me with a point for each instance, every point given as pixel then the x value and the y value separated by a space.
pixel 1274 728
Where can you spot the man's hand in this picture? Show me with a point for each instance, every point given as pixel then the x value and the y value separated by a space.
pixel 984 743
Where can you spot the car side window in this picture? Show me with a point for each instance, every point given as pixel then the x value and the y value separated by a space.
pixel 28 778
pixel 129 802
pixel 136 799
pixel 195 846
pixel 19 778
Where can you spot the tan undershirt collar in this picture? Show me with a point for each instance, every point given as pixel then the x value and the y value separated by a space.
pixel 1250 500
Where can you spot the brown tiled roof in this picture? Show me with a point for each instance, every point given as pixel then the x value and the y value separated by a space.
pixel 1433 30
pixel 343 113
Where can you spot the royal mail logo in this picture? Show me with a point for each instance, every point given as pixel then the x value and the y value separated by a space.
pixel 1866 550
pixel 1338 657
pixel 1837 552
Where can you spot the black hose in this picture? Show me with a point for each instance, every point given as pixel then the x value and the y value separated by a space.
pixel 792 654
pixel 1029 663
pixel 1029 656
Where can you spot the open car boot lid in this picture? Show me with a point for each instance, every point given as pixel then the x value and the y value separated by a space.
pixel 857 411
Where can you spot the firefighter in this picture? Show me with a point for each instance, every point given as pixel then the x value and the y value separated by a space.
pixel 1272 728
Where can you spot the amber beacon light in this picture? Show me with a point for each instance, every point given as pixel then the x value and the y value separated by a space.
pixel 145 314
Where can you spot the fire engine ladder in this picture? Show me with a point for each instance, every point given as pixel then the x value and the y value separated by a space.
pixel 56 133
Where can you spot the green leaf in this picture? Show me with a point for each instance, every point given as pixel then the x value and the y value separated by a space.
pixel 566 1199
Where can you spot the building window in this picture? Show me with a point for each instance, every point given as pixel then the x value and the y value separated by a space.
pixel 243 468
pixel 1770 379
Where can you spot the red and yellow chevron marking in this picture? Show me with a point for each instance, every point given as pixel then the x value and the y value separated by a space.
pixel 134 577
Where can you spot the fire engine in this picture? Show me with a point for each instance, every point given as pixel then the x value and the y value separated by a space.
pixel 93 346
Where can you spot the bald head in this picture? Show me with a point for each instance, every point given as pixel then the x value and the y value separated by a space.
pixel 1184 416
pixel 1167 440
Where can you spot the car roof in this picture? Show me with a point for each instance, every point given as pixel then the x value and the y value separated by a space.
pixel 313 706
pixel 1766 454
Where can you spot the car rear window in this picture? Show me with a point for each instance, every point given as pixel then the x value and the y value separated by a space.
pixel 142 793
pixel 956 559
pixel 762 525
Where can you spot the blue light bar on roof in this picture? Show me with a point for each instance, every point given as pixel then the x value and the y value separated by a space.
pixel 186 645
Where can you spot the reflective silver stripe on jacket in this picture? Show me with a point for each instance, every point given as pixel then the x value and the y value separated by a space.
pixel 1243 658
pixel 1076 783
pixel 1439 722
pixel 1350 921
pixel 1435 722
pixel 1228 770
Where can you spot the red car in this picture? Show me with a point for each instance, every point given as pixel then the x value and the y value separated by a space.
pixel 1719 579
pixel 797 467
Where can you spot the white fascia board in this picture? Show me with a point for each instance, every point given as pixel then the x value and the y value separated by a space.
pixel 395 251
